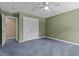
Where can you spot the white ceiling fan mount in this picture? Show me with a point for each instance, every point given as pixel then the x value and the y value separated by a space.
pixel 43 6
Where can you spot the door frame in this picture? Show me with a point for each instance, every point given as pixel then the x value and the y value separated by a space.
pixel 3 30
pixel 16 27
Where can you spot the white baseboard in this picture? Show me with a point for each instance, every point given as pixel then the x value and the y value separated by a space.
pixel 63 41
pixel 31 39
pixel 43 37
pixel 53 39
pixel 11 38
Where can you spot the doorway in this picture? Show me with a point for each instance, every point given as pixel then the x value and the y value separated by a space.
pixel 10 27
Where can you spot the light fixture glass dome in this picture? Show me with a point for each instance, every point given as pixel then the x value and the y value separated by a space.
pixel 46 8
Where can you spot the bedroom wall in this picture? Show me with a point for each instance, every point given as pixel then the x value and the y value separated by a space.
pixel 64 26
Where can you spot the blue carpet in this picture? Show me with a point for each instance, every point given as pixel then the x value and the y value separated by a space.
pixel 39 47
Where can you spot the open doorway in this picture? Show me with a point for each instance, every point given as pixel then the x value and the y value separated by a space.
pixel 11 27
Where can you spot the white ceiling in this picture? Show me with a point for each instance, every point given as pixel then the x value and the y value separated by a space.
pixel 32 8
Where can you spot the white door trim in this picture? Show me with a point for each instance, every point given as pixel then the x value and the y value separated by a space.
pixel 3 30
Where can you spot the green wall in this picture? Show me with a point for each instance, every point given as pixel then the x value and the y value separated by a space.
pixel 41 24
pixel 64 26
pixel 0 11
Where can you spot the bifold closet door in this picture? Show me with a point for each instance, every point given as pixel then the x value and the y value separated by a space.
pixel 30 28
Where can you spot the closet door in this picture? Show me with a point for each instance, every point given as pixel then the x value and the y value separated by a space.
pixel 30 28
pixel 3 30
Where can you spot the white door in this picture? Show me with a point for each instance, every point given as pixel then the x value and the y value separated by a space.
pixel 30 28
pixel 3 30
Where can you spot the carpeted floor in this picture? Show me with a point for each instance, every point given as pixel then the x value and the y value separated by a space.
pixel 39 47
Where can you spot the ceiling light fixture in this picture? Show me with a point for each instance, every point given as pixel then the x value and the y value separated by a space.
pixel 46 8
pixel 47 3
